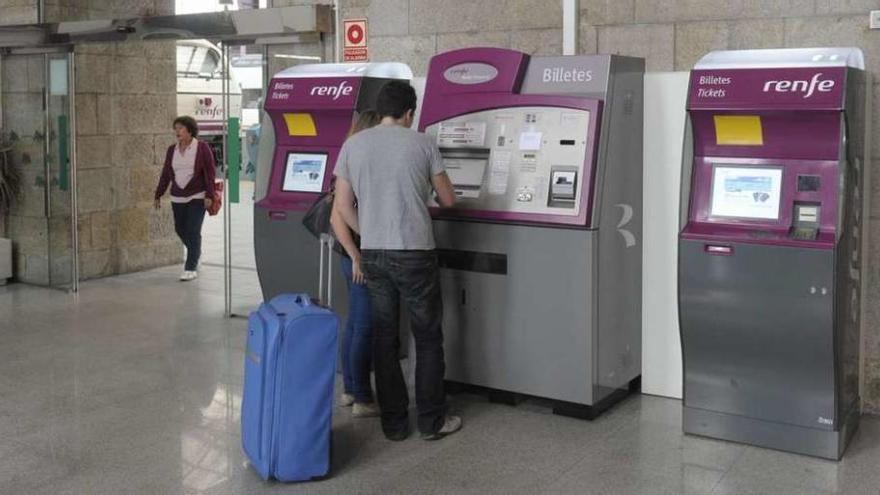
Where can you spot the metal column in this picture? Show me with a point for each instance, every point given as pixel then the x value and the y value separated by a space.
pixel 227 213
pixel 570 25
pixel 74 206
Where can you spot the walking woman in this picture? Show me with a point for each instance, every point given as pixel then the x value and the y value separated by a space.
pixel 357 345
pixel 189 168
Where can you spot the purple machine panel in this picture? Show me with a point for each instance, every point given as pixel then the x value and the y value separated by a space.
pixel 793 122
pixel 473 80
pixel 329 104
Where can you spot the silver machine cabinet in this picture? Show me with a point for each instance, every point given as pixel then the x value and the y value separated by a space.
pixel 770 304
pixel 550 308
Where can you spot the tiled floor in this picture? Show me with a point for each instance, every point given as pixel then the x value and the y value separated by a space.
pixel 133 387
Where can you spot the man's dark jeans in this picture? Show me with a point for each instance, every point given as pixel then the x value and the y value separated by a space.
pixel 414 276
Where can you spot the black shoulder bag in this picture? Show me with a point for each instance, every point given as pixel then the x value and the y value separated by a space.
pixel 317 221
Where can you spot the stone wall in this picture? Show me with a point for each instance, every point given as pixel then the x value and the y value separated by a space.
pixel 18 12
pixel 411 31
pixel 126 101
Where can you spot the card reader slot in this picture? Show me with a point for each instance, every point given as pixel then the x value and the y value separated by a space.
pixel 479 153
pixel 472 261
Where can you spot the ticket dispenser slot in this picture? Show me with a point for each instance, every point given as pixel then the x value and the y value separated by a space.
pixel 466 168
pixel 806 221
pixel 806 215
pixel 563 187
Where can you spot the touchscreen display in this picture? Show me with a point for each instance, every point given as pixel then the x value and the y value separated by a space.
pixel 746 192
pixel 304 172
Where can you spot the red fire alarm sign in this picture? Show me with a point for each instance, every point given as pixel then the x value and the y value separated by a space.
pixel 355 47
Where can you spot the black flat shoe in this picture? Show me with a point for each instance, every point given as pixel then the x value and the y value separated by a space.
pixel 397 436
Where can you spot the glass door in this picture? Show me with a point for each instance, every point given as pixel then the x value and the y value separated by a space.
pixel 246 68
pixel 250 68
pixel 61 180
pixel 37 125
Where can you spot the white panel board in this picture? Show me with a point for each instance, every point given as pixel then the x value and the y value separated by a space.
pixel 665 99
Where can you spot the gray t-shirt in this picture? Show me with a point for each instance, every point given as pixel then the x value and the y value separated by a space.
pixel 390 169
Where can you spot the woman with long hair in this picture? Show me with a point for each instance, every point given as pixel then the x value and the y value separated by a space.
pixel 357 339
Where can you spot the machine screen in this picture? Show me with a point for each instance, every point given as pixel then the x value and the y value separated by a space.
pixel 304 172
pixel 746 192
pixel 466 175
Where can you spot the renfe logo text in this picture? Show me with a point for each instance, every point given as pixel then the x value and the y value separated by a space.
pixel 335 91
pixel 806 87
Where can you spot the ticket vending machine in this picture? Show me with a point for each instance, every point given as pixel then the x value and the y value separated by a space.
pixel 770 254
pixel 308 112
pixel 541 257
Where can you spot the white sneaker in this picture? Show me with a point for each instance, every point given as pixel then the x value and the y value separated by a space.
pixel 360 410
pixel 188 276
pixel 451 424
pixel 346 400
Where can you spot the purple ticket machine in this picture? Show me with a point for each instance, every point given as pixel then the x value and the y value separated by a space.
pixel 770 257
pixel 541 257
pixel 308 112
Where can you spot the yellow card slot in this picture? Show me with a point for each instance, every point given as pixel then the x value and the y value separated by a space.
pixel 300 124
pixel 738 130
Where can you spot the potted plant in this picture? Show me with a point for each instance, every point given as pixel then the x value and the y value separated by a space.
pixel 10 187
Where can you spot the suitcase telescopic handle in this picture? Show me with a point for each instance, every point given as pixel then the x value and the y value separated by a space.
pixel 326 245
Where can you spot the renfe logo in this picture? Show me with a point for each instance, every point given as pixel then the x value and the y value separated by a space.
pixel 807 87
pixel 470 73
pixel 335 91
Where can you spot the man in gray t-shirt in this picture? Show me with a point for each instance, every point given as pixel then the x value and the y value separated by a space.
pixel 390 168
pixel 390 171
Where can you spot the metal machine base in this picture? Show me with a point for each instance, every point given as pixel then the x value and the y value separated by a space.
pixel 560 408
pixel 495 396
pixel 583 411
pixel 828 444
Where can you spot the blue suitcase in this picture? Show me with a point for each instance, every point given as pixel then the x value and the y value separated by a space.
pixel 289 377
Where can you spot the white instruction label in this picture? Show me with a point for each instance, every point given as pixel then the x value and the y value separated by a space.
pixel 499 174
pixel 457 134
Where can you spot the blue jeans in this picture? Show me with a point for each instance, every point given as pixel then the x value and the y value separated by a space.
pixel 357 350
